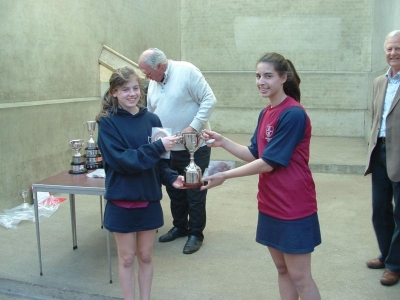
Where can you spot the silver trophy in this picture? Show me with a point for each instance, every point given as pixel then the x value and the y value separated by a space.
pixel 23 194
pixel 92 156
pixel 77 164
pixel 193 174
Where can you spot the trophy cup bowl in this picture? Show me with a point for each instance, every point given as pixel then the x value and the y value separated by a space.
pixel 77 164
pixel 77 146
pixel 193 173
pixel 91 127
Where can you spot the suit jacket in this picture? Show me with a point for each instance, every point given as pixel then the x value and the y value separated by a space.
pixel 392 128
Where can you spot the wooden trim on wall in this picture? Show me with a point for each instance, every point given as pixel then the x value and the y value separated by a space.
pixel 112 60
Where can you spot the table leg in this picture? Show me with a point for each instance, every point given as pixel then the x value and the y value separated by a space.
pixel 36 207
pixel 108 250
pixel 73 220
pixel 101 212
pixel 109 255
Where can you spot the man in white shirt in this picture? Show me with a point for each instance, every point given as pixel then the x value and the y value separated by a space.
pixel 179 94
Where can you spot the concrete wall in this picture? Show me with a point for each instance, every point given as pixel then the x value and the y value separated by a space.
pixel 333 45
pixel 49 80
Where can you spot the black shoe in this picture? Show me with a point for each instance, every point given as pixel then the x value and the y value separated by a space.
pixel 171 235
pixel 193 244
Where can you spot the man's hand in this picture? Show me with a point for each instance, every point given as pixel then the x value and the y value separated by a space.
pixel 189 129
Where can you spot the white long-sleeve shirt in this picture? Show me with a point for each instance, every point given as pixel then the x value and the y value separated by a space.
pixel 183 99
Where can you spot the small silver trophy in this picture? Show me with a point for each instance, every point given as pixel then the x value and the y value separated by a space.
pixel 23 194
pixel 92 154
pixel 77 164
pixel 193 174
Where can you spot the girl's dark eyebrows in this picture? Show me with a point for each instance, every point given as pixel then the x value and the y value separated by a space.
pixel 265 73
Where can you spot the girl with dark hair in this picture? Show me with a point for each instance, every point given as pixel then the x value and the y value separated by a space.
pixel 279 152
pixel 134 174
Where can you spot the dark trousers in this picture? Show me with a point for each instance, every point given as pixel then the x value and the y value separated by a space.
pixel 188 206
pixel 385 216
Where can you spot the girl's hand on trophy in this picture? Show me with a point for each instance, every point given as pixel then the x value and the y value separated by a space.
pixel 212 138
pixel 213 181
pixel 179 182
pixel 169 142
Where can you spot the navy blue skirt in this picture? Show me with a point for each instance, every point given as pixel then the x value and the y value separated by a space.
pixel 125 220
pixel 289 236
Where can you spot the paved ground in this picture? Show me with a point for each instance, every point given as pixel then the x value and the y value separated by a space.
pixel 230 265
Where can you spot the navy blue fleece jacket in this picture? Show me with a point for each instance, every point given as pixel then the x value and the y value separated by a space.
pixel 133 167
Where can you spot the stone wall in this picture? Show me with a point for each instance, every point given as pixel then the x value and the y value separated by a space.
pixel 336 47
pixel 50 81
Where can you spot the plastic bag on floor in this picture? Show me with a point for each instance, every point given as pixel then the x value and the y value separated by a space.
pixel 216 166
pixel 47 205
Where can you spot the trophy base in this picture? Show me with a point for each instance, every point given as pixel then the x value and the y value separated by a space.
pixel 92 152
pixel 77 168
pixel 192 185
pixel 77 172
pixel 93 161
pixel 93 166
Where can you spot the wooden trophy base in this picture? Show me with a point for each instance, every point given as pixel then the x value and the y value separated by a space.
pixel 193 185
pixel 77 168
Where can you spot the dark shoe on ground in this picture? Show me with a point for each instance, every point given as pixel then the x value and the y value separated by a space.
pixel 390 277
pixel 375 263
pixel 171 235
pixel 193 244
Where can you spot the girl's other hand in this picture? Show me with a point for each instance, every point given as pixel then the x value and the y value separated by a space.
pixel 178 183
pixel 212 138
pixel 169 142
pixel 213 180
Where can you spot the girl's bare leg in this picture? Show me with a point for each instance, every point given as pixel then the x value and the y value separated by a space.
pixel 144 252
pixel 126 257
pixel 294 276
pixel 287 289
pixel 299 266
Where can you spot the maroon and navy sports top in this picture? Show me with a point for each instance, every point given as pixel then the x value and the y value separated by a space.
pixel 282 139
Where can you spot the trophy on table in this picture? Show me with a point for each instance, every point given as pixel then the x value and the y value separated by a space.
pixel 193 173
pixel 92 154
pixel 77 164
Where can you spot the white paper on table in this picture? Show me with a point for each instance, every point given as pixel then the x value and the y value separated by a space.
pixel 99 173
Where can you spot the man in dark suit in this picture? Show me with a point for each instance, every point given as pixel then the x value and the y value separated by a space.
pixel 384 163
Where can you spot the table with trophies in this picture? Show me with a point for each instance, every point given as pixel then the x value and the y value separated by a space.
pixel 72 182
